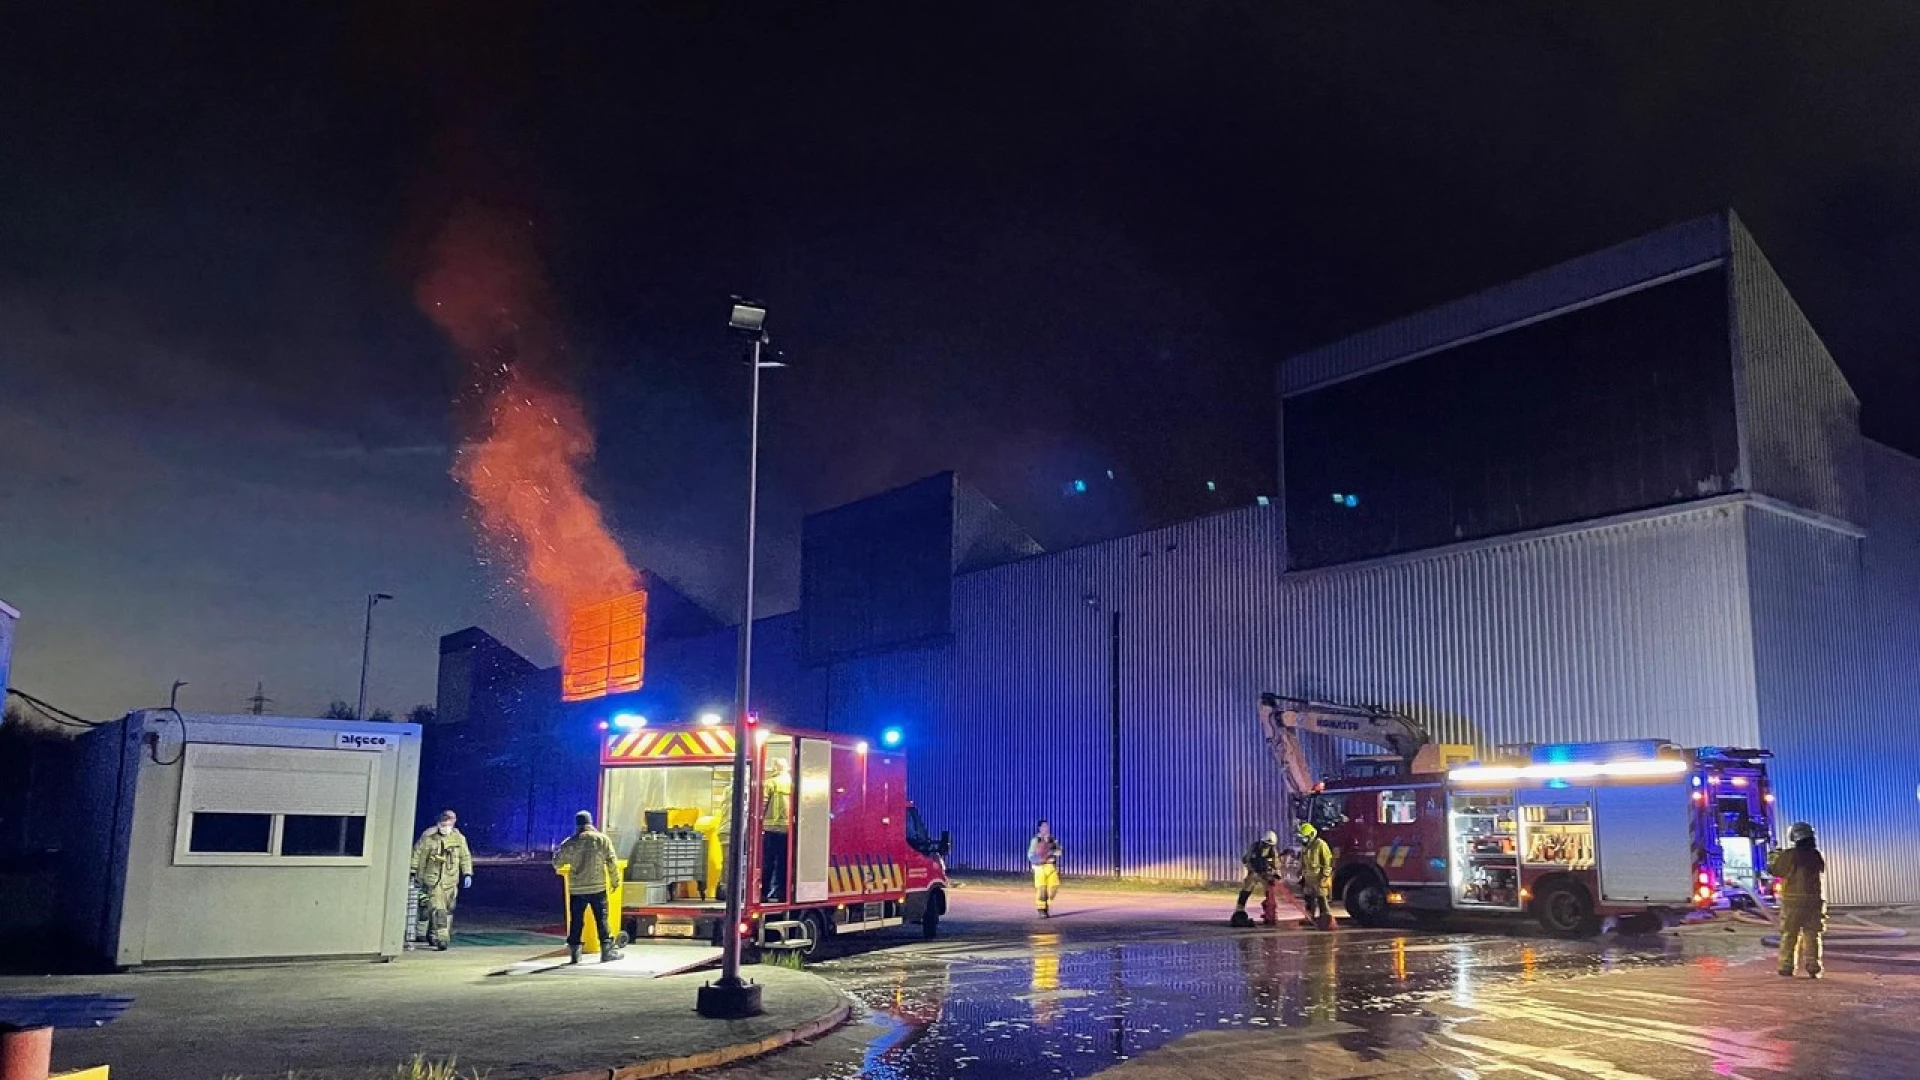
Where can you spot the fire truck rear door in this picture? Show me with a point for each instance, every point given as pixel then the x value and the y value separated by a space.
pixel 1642 841
pixel 813 821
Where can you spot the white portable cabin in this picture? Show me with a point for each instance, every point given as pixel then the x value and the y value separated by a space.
pixel 206 838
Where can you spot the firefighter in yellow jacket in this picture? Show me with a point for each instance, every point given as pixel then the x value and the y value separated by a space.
pixel 1043 854
pixel 592 869
pixel 1316 876
pixel 443 865
pixel 1800 873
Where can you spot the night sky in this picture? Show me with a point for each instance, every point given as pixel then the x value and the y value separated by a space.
pixel 1028 242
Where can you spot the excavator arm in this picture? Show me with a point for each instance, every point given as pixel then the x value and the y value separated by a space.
pixel 1282 719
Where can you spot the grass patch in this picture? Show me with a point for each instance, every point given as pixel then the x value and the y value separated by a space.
pixel 420 1068
pixel 784 958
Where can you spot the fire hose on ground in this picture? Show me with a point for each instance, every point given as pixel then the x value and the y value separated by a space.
pixel 1851 926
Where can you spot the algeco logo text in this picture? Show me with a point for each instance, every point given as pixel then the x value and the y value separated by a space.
pixel 349 741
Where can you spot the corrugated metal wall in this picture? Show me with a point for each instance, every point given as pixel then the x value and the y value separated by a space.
pixel 1030 726
pixel 1628 630
pixel 1802 421
pixel 1835 637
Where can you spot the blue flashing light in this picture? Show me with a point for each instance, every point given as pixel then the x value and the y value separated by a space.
pixel 1352 501
pixel 1558 754
pixel 1557 784
pixel 1696 780
pixel 627 721
pixel 890 737
pixel 1079 487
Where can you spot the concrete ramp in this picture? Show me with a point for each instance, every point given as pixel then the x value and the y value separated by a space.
pixel 643 960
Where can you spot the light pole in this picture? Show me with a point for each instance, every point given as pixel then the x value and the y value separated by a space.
pixel 731 996
pixel 173 696
pixel 366 650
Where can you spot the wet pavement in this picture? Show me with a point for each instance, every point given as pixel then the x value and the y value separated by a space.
pixel 1143 999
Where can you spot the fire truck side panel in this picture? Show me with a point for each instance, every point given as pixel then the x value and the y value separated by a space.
pixel 1644 847
pixel 812 821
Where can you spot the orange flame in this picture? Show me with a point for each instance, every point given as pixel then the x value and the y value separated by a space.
pixel 522 459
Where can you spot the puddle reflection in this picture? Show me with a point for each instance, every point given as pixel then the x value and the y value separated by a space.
pixel 1050 1008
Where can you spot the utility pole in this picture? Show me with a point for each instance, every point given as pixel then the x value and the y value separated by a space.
pixel 366 650
pixel 257 704
pixel 730 996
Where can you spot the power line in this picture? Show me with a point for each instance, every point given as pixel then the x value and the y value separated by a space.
pixel 54 712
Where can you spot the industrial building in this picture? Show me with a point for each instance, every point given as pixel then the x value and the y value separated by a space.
pixel 1625 497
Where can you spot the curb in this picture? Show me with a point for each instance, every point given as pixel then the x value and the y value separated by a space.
pixel 713 1059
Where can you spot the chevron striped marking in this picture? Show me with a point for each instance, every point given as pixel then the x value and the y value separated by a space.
pixel 862 875
pixel 691 746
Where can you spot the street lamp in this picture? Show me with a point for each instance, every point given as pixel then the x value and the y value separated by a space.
pixel 366 648
pixel 731 996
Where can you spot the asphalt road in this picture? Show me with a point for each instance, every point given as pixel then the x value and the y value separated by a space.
pixel 1144 988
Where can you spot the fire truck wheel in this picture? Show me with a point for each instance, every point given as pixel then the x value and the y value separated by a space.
pixel 1565 911
pixel 816 925
pixel 1366 900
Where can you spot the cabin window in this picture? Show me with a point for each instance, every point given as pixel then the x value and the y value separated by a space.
pixel 1399 806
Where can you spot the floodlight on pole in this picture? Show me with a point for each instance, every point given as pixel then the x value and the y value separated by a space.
pixel 730 996
pixel 748 317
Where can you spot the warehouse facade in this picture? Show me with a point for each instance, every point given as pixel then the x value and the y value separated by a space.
pixel 1626 497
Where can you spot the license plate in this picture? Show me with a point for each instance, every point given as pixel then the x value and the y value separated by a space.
pixel 672 929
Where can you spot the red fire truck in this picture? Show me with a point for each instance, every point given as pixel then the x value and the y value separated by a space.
pixel 857 856
pixel 1570 834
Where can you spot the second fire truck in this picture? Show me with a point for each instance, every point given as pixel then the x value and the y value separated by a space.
pixel 1569 834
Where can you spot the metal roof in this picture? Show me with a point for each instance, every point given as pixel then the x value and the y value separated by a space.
pixel 1660 256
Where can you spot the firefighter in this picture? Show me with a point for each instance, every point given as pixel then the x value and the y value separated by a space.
pixel 1316 876
pixel 591 871
pixel 1801 873
pixel 1262 861
pixel 443 865
pixel 1043 854
pixel 776 822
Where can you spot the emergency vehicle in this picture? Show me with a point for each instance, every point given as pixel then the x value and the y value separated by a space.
pixel 1570 834
pixel 858 857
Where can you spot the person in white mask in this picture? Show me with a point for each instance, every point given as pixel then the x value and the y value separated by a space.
pixel 442 865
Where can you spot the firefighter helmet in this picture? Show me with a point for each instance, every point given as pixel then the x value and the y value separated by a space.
pixel 1272 837
pixel 1800 831
pixel 1307 831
